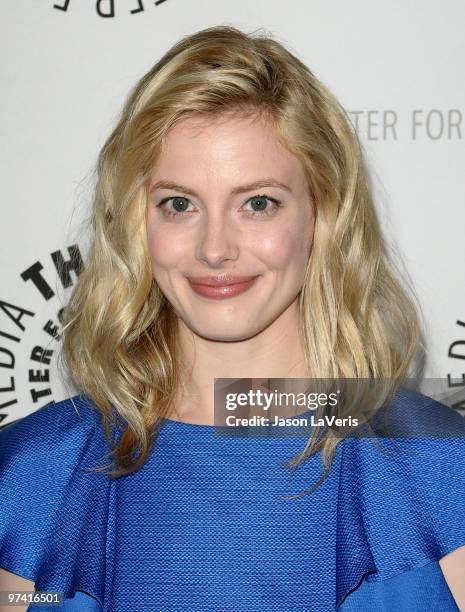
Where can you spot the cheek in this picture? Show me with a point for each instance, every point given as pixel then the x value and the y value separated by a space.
pixel 285 247
pixel 165 251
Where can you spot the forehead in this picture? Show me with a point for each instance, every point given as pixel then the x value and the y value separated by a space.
pixel 231 145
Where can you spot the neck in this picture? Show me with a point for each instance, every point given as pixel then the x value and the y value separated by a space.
pixel 265 355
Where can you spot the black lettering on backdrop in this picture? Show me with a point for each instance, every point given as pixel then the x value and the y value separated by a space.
pixel 139 9
pixel 10 388
pixel 106 8
pixel 6 405
pixel 460 405
pixel 461 343
pixel 62 7
pixel 10 361
pixel 39 376
pixel 33 274
pixel 9 336
pixel 61 315
pixel 452 352
pixel 37 395
pixel 63 267
pixel 65 262
pixel 110 6
pixel 51 329
pixel 8 310
pixel 41 355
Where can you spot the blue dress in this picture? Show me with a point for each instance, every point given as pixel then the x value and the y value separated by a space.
pixel 203 526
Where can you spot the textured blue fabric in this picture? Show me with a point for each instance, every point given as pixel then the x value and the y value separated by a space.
pixel 201 527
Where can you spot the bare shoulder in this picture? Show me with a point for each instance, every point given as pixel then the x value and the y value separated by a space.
pixel 453 568
pixel 13 582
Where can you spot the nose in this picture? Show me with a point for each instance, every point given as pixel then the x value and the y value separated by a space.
pixel 218 240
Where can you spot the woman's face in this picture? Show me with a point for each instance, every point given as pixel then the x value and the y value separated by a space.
pixel 226 198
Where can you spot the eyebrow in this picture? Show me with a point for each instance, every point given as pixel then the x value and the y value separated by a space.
pixel 269 182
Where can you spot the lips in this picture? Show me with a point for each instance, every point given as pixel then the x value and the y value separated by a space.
pixel 220 287
pixel 219 280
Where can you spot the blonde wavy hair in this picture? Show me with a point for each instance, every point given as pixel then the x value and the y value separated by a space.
pixel 357 319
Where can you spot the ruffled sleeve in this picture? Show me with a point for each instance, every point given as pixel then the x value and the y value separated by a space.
pixel 54 514
pixel 401 509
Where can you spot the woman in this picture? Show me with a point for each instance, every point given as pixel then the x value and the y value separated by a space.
pixel 234 235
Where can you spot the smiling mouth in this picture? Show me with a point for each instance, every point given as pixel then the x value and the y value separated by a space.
pixel 221 287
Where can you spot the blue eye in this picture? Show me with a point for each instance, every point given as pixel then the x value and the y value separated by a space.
pixel 180 205
pixel 260 204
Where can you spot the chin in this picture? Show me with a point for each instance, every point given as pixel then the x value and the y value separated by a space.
pixel 224 335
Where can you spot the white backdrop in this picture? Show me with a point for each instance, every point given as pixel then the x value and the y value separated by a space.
pixel 67 66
